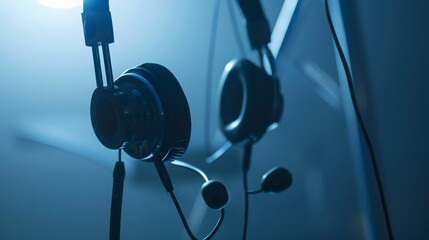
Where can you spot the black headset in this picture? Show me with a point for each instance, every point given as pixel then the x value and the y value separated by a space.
pixel 144 112
pixel 250 98
pixel 250 102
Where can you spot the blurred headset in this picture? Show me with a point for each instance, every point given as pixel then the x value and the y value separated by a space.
pixel 144 112
pixel 250 102
pixel 250 99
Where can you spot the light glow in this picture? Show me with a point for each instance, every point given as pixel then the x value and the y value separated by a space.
pixel 282 25
pixel 60 3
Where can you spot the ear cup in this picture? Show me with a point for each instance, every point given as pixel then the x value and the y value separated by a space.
pixel 246 101
pixel 131 113
pixel 176 119
pixel 108 118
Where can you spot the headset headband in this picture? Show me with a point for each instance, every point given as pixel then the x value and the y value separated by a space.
pixel 96 6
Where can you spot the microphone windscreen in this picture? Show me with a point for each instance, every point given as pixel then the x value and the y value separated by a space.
pixel 276 180
pixel 214 194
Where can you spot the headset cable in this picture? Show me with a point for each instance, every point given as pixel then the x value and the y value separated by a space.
pixel 360 120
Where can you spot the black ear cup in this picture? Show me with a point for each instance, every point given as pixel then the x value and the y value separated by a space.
pixel 147 114
pixel 214 194
pixel 276 180
pixel 131 112
pixel 246 102
pixel 177 117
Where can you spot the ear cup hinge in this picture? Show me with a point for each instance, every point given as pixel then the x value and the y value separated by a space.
pixel 259 33
pixel 257 25
pixel 97 27
pixel 98 30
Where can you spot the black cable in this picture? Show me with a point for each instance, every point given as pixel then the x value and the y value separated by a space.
pixel 245 168
pixel 212 45
pixel 360 121
pixel 182 216
pixel 116 204
pixel 218 224
pixel 255 191
pixel 191 168
pixel 185 223
pixel 246 204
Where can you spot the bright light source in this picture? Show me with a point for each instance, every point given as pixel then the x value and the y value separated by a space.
pixel 60 3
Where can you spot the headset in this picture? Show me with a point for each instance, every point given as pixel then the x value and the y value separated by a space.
pixel 250 99
pixel 250 102
pixel 144 112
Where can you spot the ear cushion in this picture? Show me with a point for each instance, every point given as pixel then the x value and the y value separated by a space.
pixel 175 110
pixel 107 118
pixel 246 101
